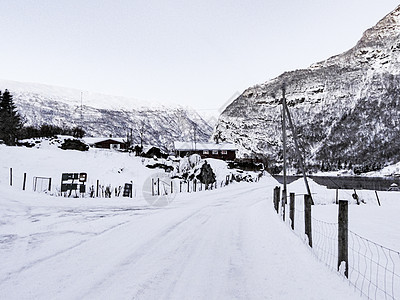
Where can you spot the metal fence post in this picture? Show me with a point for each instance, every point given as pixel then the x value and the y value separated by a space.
pixel 343 236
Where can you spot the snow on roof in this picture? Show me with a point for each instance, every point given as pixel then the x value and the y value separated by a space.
pixel 95 140
pixel 190 146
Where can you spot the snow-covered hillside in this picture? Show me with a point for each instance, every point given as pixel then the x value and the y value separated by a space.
pixel 105 115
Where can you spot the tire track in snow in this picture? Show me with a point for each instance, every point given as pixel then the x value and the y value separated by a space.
pixel 184 247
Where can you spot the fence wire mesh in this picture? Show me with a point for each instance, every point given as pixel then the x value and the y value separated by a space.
pixel 374 270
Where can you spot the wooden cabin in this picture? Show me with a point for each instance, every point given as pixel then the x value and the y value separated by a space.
pixel 107 143
pixel 224 151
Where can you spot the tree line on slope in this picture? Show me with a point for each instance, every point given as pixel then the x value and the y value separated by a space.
pixel 12 127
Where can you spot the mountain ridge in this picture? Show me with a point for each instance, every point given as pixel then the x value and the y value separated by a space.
pixel 327 100
pixel 105 115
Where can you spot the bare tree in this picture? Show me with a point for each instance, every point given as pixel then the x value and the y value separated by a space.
pixel 142 130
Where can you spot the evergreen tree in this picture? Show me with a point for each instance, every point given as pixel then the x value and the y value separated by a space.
pixel 10 120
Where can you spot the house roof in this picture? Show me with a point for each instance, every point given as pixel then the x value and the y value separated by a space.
pixel 95 140
pixel 191 146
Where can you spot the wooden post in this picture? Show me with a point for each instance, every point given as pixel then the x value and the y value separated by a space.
pixel 180 186
pixel 49 184
pixel 11 176
pixel 97 188
pixel 337 196
pixel 194 184
pixel 377 198
pixel 158 186
pixel 172 189
pixel 307 218
pixel 24 182
pixel 188 189
pixel 152 187
pixel 277 194
pixel 284 200
pixel 284 191
pixel 355 197
pixel 343 236
pixel 291 215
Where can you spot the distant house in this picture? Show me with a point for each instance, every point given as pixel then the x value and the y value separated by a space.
pixel 224 151
pixel 155 152
pixel 107 143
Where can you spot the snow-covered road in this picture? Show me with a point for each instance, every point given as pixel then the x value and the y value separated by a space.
pixel 223 244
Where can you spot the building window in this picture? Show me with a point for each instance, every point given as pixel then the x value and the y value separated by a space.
pixel 215 152
pixel 206 152
pixel 224 152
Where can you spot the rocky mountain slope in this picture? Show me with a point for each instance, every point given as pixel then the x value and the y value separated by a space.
pixel 346 108
pixel 103 115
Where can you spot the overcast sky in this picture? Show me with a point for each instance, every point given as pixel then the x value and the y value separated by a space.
pixel 196 53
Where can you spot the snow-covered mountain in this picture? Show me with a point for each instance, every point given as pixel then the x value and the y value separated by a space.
pixel 104 115
pixel 346 108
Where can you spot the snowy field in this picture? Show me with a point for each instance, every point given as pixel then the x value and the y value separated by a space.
pixel 222 244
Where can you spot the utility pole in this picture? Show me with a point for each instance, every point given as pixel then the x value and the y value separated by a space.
pixel 194 137
pixel 81 110
pixel 284 191
pixel 299 157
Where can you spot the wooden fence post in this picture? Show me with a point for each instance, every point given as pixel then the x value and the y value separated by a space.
pixel 284 200
pixel 49 184
pixel 97 188
pixel 277 193
pixel 291 215
pixel 307 218
pixel 11 176
pixel 188 189
pixel 343 236
pixel 180 186
pixel 158 186
pixel 337 196
pixel 24 182
pixel 377 198
pixel 172 189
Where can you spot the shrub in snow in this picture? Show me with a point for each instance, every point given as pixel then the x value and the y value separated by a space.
pixel 206 175
pixel 187 164
pixel 194 160
pixel 161 166
pixel 71 144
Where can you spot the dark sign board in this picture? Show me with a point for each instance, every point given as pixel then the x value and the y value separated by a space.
pixel 73 182
pixel 127 190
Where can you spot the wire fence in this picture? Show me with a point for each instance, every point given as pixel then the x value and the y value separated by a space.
pixel 373 270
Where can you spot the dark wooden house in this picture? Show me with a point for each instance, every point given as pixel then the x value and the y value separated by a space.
pixel 224 151
pixel 107 143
